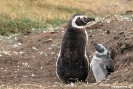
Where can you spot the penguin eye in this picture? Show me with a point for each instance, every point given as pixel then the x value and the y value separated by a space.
pixel 81 21
pixel 99 49
pixel 81 18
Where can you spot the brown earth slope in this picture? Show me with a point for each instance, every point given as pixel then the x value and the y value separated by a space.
pixel 30 61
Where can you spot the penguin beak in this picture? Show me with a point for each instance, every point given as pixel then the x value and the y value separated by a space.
pixel 94 43
pixel 97 47
pixel 88 19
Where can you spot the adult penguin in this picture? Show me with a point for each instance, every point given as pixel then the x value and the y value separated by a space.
pixel 72 62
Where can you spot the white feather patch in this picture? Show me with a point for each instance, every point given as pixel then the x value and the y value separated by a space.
pixel 86 47
pixel 74 20
pixel 105 50
pixel 56 63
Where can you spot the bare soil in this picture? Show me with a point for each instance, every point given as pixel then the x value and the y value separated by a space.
pixel 30 61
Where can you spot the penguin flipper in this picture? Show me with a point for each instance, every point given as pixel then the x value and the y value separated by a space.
pixel 110 69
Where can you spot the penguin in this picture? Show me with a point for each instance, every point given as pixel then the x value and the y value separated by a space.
pixel 101 64
pixel 72 62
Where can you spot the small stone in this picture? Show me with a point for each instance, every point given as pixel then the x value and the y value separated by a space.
pixel 121 32
pixel 108 32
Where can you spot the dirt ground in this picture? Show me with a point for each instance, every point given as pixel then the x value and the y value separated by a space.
pixel 29 62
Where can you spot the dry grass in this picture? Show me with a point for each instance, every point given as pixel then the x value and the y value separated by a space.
pixel 63 9
pixel 22 15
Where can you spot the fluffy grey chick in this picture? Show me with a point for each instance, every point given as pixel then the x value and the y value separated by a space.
pixel 102 63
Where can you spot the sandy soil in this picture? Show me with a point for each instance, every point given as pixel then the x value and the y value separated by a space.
pixel 29 62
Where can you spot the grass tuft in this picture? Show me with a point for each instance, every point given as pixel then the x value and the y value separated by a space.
pixel 24 25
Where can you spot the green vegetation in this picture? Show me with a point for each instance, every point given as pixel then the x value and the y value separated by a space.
pixel 20 16
pixel 24 25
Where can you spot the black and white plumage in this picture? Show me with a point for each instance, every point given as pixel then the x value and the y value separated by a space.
pixel 102 63
pixel 72 62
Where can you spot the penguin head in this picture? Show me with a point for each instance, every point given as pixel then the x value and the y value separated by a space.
pixel 79 20
pixel 101 49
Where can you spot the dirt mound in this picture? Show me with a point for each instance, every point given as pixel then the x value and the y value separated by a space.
pixel 118 37
pixel 31 60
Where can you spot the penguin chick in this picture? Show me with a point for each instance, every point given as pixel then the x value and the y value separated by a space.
pixel 102 63
pixel 72 62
